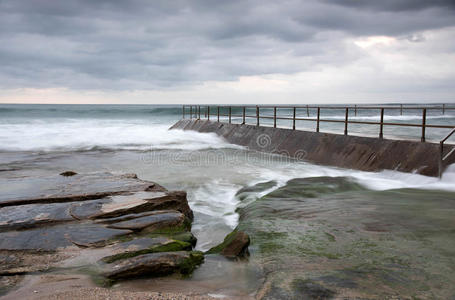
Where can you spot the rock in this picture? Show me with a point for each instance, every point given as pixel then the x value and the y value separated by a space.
pixel 184 237
pixel 155 264
pixel 52 238
pixel 173 221
pixel 144 201
pixel 68 173
pixel 33 215
pixel 120 205
pixel 93 235
pixel 38 239
pixel 131 216
pixel 308 289
pixel 86 209
pixel 248 191
pixel 22 262
pixel 45 221
pixel 53 189
pixel 234 245
pixel 173 201
pixel 145 245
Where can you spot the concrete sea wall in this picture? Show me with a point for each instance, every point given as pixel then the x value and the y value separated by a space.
pixel 362 153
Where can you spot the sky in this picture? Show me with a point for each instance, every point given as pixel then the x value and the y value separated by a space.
pixel 201 51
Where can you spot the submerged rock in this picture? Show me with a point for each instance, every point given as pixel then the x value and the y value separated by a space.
pixel 155 264
pixel 261 187
pixel 68 173
pixel 234 245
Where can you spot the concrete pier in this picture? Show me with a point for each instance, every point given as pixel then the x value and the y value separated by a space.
pixel 353 152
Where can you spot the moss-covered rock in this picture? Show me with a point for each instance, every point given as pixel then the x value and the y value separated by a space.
pixel 155 264
pixel 234 245
pixel 146 245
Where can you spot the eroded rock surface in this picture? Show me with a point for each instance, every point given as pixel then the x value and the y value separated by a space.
pixel 123 220
pixel 155 222
pixel 155 264
pixel 331 238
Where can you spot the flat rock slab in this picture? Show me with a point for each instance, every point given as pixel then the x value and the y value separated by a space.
pixel 94 235
pixel 32 215
pixel 155 264
pixel 152 222
pixel 119 205
pixel 52 238
pixel 58 188
pixel 127 217
pixel 145 245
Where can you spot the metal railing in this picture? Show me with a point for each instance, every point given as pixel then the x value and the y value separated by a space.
pixel 195 112
pixel 442 158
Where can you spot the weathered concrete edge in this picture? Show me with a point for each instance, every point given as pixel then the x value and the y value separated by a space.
pixel 354 152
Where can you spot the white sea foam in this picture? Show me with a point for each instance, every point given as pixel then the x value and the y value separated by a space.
pixel 86 134
pixel 383 180
pixel 217 199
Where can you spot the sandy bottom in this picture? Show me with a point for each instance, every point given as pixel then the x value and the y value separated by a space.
pixel 78 286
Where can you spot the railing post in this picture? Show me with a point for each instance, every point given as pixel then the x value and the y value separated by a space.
pixel 243 115
pixel 218 113
pixel 293 119
pixel 208 112
pixel 317 123
pixel 307 111
pixel 355 110
pixel 230 114
pixel 274 117
pixel 183 112
pixel 401 109
pixel 346 122
pixel 199 112
pixel 443 109
pixel 257 115
pixel 381 128
pixel 441 155
pixel 424 121
pixel 191 111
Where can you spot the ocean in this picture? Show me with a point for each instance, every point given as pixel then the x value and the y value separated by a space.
pixel 44 139
pixel 41 140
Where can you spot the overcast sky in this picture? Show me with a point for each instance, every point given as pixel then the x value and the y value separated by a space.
pixel 227 51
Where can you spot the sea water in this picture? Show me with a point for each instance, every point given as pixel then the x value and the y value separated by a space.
pixel 38 140
pixel 42 140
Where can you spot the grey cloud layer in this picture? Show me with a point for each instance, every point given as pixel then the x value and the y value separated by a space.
pixel 143 44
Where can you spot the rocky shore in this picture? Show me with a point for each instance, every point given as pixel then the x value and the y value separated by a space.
pixel 110 227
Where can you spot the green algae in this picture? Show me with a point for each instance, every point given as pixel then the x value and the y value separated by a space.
pixel 167 247
pixel 187 266
pixel 227 240
pixel 187 237
pixel 364 243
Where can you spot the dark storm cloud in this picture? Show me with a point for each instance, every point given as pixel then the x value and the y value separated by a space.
pixel 395 5
pixel 143 44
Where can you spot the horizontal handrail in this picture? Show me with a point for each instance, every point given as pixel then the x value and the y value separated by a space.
pixel 448 136
pixel 440 107
pixel 195 110
pixel 441 152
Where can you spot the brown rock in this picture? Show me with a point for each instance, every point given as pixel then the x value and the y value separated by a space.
pixel 155 264
pixel 234 245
